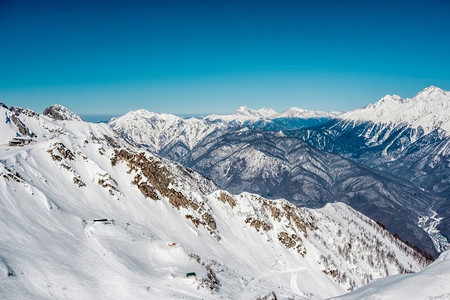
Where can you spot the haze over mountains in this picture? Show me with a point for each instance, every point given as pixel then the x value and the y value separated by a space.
pixel 90 209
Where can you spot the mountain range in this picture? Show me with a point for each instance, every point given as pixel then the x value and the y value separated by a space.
pixel 389 160
pixel 86 213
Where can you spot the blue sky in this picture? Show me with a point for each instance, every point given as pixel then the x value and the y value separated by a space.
pixel 199 57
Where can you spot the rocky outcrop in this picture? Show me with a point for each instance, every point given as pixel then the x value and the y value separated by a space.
pixel 156 182
pixel 225 198
pixel 60 113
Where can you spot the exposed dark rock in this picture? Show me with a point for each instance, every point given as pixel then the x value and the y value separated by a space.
pixel 258 224
pixel 60 113
pixel 225 198
pixel 78 182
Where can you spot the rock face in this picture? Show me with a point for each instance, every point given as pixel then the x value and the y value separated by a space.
pixel 60 113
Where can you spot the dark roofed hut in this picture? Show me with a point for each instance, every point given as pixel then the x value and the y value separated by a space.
pixel 100 220
pixel 20 141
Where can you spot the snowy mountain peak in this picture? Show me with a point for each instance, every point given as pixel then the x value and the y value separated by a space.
pixel 252 113
pixel 432 94
pixel 267 112
pixel 429 110
pixel 301 113
pixel 391 98
pixel 245 111
pixel 431 90
pixel 61 113
pixel 388 102
pixel 142 113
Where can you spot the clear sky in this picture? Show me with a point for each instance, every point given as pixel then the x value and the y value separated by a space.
pixel 199 57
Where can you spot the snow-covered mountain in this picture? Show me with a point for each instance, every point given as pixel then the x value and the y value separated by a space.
pixel 171 135
pixel 157 131
pixel 247 115
pixel 428 110
pixel 86 214
pixel 380 132
pixel 275 166
pixel 301 113
pixel 430 283
pixel 405 137
pixel 392 136
pixel 244 114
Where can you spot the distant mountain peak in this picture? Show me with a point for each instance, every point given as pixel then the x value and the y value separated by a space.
pixel 266 112
pixel 61 113
pixel 432 89
pixel 302 113
pixel 245 111
pixel 259 113
pixel 431 93
pixel 143 113
pixel 429 109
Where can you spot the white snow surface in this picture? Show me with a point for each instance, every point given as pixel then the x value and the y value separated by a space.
pixel 295 112
pixel 429 109
pixel 53 189
pixel 244 114
pixel 432 283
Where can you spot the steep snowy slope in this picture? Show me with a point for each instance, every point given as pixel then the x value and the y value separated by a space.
pixel 162 222
pixel 430 283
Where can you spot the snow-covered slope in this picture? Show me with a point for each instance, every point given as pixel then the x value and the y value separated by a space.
pixel 164 221
pixel 432 283
pixel 276 166
pixel 428 110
